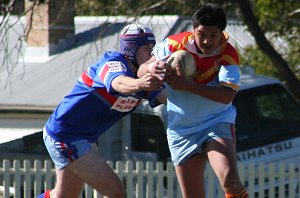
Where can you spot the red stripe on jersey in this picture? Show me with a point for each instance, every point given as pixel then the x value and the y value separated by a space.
pixel 86 79
pixel 232 129
pixel 111 99
pixel 63 145
pixel 103 73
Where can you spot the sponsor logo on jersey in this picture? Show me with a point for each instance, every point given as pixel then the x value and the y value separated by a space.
pixel 116 66
pixel 123 104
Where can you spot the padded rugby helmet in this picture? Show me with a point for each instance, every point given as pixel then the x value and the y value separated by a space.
pixel 132 37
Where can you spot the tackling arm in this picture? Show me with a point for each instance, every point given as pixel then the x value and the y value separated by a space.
pixel 127 85
pixel 153 66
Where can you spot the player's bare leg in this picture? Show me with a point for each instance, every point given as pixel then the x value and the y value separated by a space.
pixel 68 184
pixel 191 176
pixel 221 155
pixel 93 169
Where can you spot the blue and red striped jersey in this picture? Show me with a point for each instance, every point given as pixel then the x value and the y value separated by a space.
pixel 93 105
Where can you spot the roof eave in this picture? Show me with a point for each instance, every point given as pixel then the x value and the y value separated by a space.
pixel 25 109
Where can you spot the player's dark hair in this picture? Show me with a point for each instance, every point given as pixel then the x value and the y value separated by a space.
pixel 210 15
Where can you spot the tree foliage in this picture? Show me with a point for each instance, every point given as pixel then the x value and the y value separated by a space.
pixel 280 19
pixel 276 16
pixel 265 45
pixel 255 58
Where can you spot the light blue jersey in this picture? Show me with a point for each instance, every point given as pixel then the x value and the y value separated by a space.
pixel 189 113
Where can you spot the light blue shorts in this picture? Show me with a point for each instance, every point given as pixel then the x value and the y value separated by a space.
pixel 182 147
pixel 63 153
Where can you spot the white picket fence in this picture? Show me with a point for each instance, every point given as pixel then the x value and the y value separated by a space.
pixel 151 180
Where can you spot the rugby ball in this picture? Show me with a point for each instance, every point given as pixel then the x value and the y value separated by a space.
pixel 185 60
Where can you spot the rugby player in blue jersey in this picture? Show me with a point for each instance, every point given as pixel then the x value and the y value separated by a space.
pixel 107 91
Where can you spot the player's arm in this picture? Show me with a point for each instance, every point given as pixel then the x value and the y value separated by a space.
pixel 224 93
pixel 128 85
pixel 153 66
pixel 219 94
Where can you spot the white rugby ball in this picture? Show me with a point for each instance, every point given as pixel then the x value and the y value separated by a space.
pixel 185 60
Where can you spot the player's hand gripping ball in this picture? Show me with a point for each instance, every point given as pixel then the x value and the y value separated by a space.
pixel 185 60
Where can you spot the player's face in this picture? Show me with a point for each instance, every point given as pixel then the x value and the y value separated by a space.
pixel 144 53
pixel 207 38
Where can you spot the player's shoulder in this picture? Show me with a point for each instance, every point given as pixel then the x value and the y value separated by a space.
pixel 230 46
pixel 113 55
pixel 231 55
pixel 110 59
pixel 230 50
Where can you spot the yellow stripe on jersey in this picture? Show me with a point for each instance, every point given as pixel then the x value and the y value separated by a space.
pixel 231 85
pixel 175 45
pixel 229 59
pixel 205 75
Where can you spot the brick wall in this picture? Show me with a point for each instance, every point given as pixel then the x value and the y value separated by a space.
pixel 49 22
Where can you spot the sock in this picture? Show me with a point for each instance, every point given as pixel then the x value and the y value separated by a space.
pixel 242 194
pixel 46 194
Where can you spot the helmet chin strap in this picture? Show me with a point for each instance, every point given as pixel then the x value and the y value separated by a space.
pixel 135 64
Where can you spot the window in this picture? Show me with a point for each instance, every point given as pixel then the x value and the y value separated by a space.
pixel 276 108
pixel 270 107
pixel 265 115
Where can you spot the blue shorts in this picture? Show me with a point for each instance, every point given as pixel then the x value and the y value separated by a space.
pixel 182 147
pixel 63 153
